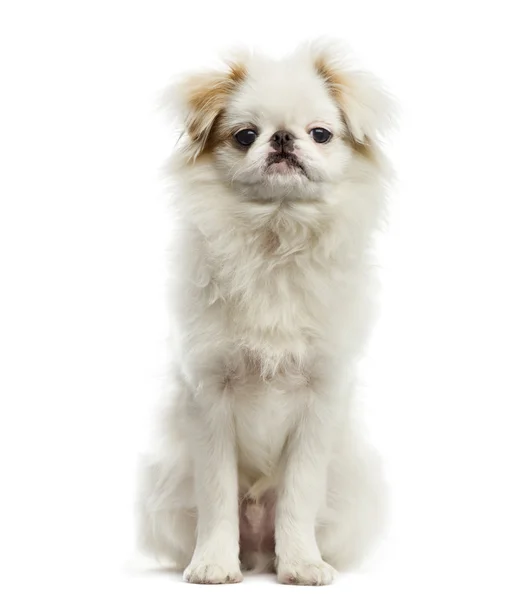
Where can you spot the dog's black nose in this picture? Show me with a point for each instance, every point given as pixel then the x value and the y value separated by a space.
pixel 282 140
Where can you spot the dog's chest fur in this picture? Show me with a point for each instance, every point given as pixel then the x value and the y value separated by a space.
pixel 277 287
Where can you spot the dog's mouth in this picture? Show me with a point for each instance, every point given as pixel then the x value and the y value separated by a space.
pixel 284 162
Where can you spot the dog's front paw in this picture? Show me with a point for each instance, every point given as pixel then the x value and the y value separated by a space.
pixel 305 573
pixel 206 572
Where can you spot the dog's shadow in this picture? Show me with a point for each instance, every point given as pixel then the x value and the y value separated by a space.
pixel 164 571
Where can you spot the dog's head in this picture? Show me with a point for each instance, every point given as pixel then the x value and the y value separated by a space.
pixel 282 129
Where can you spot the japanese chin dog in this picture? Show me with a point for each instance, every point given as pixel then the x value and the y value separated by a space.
pixel 280 187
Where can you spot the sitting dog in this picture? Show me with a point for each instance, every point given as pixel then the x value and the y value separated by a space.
pixel 281 186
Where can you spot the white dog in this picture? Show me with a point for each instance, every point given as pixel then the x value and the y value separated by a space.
pixel 281 189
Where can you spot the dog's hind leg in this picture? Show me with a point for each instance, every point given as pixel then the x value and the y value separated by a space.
pixel 353 518
pixel 167 523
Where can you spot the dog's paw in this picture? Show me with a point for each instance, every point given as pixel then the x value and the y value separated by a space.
pixel 305 573
pixel 204 572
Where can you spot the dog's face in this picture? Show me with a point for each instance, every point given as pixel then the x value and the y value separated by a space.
pixel 281 129
pixel 281 132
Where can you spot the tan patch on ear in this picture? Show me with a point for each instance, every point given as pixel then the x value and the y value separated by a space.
pixel 237 72
pixel 217 134
pixel 365 148
pixel 206 98
pixel 334 79
pixel 338 83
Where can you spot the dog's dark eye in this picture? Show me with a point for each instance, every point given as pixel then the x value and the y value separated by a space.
pixel 246 137
pixel 320 135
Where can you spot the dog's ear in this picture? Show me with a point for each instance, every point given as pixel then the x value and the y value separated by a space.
pixel 198 100
pixel 367 110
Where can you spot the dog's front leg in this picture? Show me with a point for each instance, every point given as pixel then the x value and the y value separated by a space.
pixel 301 493
pixel 215 558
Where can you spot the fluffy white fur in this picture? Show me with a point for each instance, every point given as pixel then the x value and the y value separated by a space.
pixel 271 298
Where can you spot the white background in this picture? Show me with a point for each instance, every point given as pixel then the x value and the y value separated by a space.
pixel 83 223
